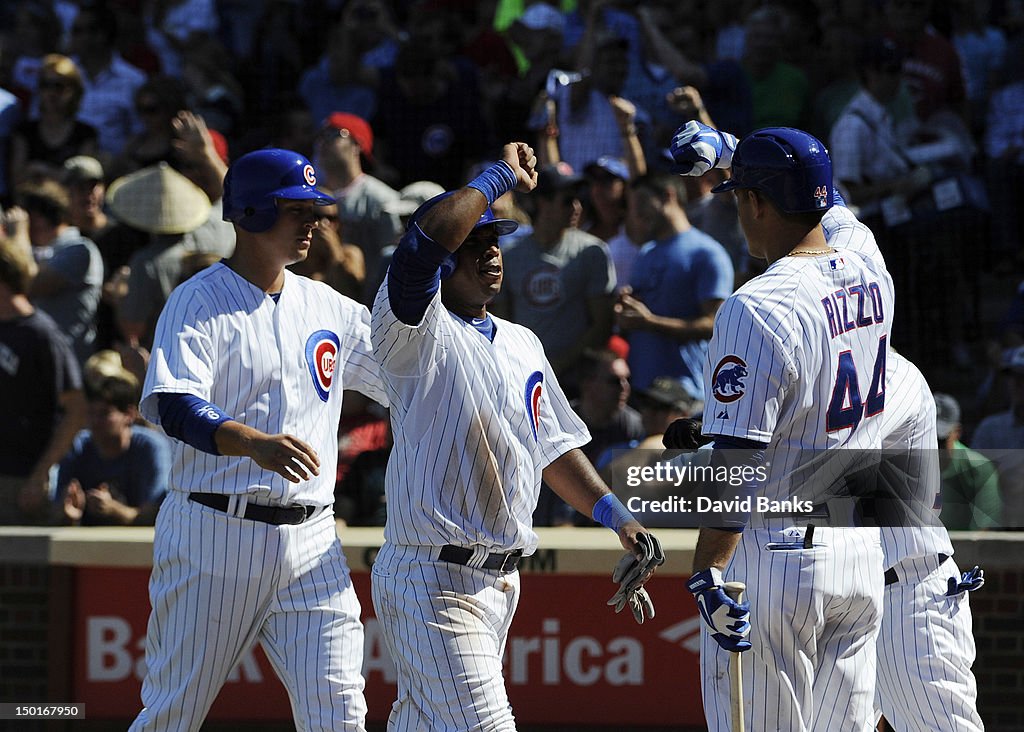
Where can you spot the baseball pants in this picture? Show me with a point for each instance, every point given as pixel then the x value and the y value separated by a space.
pixel 446 626
pixel 925 652
pixel 815 615
pixel 221 583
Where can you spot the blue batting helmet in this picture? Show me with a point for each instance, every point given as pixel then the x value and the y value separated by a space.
pixel 502 226
pixel 255 181
pixel 791 167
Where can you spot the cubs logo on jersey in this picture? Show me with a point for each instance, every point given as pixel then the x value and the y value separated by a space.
pixel 534 389
pixel 322 357
pixel 727 382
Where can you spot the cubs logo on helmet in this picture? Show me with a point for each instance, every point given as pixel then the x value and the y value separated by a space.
pixel 534 390
pixel 727 381
pixel 322 358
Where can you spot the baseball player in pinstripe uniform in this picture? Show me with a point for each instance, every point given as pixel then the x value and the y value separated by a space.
pixel 796 363
pixel 926 645
pixel 478 418
pixel 247 372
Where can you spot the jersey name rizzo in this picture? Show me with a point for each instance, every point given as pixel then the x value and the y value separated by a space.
pixel 853 307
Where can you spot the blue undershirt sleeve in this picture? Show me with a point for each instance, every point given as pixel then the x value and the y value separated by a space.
pixel 737 453
pixel 192 420
pixel 415 275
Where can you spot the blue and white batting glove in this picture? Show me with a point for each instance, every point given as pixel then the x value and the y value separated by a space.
pixel 971 581
pixel 697 148
pixel 728 620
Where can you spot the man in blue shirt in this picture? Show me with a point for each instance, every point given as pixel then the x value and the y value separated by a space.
pixel 679 280
pixel 115 473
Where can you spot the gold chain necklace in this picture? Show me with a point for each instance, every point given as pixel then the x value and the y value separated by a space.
pixel 810 252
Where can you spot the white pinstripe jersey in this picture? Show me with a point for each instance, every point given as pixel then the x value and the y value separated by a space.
pixel 277 367
pixel 844 231
pixel 475 423
pixel 797 359
pixel 908 423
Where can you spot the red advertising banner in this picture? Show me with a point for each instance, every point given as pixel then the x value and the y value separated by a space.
pixel 569 660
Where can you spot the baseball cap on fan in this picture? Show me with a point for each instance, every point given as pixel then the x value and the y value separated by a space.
pixel 947 414
pixel 615 167
pixel 356 126
pixel 82 168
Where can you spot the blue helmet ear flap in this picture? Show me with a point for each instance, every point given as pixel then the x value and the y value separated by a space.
pixel 258 220
pixel 449 265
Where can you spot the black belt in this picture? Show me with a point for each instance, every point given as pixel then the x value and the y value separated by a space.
pixel 892 578
pixel 503 563
pixel 275 515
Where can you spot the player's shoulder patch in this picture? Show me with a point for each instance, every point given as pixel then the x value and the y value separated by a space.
pixel 322 358
pixel 728 382
pixel 532 395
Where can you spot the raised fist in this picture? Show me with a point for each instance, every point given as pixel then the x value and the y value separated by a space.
pixel 697 148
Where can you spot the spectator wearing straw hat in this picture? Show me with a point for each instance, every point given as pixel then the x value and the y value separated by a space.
pixel 176 214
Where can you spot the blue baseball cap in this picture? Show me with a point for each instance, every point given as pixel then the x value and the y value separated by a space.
pixel 502 226
pixel 609 164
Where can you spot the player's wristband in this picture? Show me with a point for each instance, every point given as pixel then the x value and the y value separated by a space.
pixel 705 580
pixel 495 182
pixel 192 420
pixel 610 512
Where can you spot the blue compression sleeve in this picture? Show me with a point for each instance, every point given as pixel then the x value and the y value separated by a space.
pixel 192 420
pixel 610 512
pixel 495 181
pixel 752 456
pixel 415 274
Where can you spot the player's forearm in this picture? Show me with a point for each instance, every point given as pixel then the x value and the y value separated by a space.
pixel 714 548
pixel 576 481
pixel 235 439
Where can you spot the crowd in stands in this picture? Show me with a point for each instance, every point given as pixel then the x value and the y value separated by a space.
pixel 118 118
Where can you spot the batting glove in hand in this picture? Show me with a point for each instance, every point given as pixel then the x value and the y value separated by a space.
pixel 971 581
pixel 697 148
pixel 684 434
pixel 728 620
pixel 631 573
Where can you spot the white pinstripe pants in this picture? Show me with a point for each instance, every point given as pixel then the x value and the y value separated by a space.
pixel 815 615
pixel 925 653
pixel 445 626
pixel 221 583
